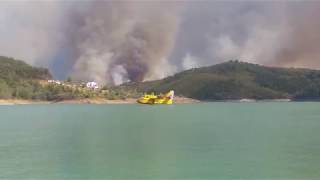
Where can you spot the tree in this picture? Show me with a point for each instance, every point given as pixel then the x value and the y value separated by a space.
pixel 69 80
pixel 5 91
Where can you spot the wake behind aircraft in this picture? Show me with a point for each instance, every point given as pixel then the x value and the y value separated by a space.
pixel 157 99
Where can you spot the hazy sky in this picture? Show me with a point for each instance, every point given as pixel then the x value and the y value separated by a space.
pixel 116 41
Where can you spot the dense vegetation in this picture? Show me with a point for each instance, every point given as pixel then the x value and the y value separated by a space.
pixel 237 80
pixel 227 81
pixel 19 80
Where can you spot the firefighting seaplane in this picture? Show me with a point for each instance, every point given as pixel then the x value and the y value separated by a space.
pixel 157 99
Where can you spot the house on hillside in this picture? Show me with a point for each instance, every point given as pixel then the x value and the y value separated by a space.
pixel 92 85
pixel 54 82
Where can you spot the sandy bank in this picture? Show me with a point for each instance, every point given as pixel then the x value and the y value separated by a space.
pixel 177 100
pixel 264 100
pixel 184 100
pixel 21 102
pixel 96 101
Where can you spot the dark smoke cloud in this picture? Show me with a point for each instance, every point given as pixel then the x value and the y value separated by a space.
pixel 92 40
pixel 117 41
pixel 138 37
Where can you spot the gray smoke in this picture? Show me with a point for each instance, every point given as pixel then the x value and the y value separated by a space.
pixel 30 30
pixel 138 37
pixel 117 41
pixel 301 36
pixel 92 39
pixel 282 33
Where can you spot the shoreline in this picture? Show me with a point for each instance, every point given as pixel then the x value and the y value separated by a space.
pixel 7 102
pixel 102 101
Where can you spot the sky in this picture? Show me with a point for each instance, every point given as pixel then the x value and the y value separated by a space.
pixel 135 40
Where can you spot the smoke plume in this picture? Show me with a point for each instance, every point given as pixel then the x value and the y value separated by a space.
pixel 92 39
pixel 138 37
pixel 118 41
pixel 283 33
pixel 301 37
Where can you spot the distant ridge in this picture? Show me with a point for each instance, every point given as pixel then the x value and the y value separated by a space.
pixel 234 80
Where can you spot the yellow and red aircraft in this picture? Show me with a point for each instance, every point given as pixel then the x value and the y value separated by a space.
pixel 157 99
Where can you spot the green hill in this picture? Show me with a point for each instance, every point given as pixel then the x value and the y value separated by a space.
pixel 17 79
pixel 237 80
pixel 13 70
pixel 227 81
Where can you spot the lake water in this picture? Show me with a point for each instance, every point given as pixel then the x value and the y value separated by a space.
pixel 197 141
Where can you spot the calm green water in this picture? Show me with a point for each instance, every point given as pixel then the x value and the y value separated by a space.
pixel 199 141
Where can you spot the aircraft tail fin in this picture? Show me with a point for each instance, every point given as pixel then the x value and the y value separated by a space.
pixel 170 95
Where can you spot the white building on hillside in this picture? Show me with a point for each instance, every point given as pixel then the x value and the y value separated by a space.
pixel 54 82
pixel 92 85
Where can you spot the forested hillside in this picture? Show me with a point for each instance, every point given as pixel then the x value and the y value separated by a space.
pixel 226 81
pixel 238 80
pixel 19 80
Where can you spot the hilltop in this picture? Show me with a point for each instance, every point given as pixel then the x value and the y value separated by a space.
pixel 235 80
pixel 18 79
pixel 15 70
